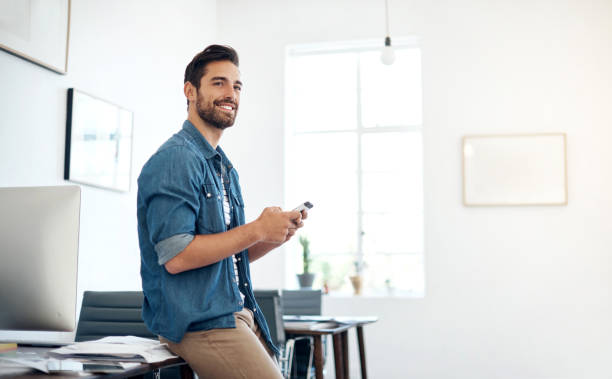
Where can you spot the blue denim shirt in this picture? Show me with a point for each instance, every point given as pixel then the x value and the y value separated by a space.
pixel 180 195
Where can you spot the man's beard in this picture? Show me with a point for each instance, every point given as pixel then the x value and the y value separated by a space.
pixel 213 116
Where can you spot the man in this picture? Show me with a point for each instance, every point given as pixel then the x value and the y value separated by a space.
pixel 194 243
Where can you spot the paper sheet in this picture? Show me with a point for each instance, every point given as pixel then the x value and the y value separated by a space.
pixel 128 348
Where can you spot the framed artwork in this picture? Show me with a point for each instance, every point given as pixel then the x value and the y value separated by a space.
pixel 522 169
pixel 98 142
pixel 36 30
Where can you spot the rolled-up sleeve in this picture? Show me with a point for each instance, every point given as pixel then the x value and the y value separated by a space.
pixel 170 247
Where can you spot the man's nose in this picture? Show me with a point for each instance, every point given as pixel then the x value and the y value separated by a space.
pixel 230 94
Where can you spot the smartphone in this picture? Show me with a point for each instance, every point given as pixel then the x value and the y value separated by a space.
pixel 305 206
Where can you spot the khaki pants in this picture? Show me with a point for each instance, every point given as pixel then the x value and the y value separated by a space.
pixel 239 352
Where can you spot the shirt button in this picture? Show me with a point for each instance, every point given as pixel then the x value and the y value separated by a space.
pixel 238 258
pixel 219 197
pixel 246 284
pixel 208 195
pixel 240 302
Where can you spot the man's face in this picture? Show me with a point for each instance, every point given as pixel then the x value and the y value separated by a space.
pixel 219 94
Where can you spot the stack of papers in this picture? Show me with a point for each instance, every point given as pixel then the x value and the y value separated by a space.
pixel 123 349
pixel 22 363
pixel 106 355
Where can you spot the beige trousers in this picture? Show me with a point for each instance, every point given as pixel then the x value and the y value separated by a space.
pixel 239 352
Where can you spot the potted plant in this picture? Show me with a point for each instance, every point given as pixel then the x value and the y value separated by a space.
pixel 306 277
pixel 357 278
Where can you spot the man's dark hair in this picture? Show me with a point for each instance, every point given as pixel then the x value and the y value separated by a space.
pixel 197 67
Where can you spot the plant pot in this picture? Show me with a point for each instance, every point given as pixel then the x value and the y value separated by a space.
pixel 356 281
pixel 306 280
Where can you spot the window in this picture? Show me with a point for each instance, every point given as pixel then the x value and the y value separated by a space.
pixel 354 149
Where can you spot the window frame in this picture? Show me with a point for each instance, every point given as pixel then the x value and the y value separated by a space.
pixel 360 130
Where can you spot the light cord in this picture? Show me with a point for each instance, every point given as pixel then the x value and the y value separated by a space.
pixel 387 16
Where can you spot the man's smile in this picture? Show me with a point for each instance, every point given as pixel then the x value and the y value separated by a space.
pixel 227 107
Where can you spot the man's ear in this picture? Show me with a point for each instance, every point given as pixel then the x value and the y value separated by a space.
pixel 190 92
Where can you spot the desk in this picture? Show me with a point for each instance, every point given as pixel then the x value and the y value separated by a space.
pixel 339 334
pixel 136 372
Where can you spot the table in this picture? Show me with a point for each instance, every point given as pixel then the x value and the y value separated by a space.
pixel 135 372
pixel 339 335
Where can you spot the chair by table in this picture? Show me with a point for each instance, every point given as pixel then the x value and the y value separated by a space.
pixel 118 313
pixel 269 302
pixel 339 335
pixel 302 302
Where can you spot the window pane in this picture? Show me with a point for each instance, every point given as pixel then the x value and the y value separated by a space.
pixel 392 167
pixel 322 168
pixel 391 94
pixel 393 232
pixel 334 269
pixel 311 105
pixel 392 192
pixel 395 274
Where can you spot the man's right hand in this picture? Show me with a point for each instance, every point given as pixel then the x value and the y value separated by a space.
pixel 275 224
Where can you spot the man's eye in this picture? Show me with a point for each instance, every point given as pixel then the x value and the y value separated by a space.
pixel 238 88
pixel 217 83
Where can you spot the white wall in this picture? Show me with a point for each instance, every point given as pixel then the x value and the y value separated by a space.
pixel 131 53
pixel 516 292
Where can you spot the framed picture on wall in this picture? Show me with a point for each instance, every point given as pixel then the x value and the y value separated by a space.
pixel 522 169
pixel 37 30
pixel 98 142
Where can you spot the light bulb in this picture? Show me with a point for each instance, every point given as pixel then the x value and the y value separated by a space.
pixel 388 54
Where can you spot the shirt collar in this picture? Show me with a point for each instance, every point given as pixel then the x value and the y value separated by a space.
pixel 204 146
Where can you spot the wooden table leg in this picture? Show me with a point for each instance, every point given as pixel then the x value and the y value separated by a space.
pixel 338 356
pixel 362 356
pixel 318 356
pixel 345 353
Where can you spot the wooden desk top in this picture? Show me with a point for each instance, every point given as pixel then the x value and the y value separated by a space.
pixel 340 319
pixel 319 331
pixel 341 324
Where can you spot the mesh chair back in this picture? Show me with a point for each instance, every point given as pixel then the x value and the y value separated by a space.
pixel 305 302
pixel 111 314
pixel 301 302
pixel 118 313
pixel 269 302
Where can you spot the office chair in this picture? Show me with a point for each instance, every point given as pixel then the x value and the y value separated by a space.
pixel 269 302
pixel 304 302
pixel 118 314
pixel 301 302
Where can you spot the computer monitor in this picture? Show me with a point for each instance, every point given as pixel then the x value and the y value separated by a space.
pixel 39 243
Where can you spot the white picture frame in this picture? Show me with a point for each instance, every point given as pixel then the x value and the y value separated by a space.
pixel 520 169
pixel 37 31
pixel 99 139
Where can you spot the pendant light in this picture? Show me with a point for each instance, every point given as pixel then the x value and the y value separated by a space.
pixel 388 54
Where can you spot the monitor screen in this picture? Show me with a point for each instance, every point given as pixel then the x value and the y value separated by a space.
pixel 39 242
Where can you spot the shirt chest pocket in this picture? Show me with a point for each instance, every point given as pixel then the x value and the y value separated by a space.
pixel 210 217
pixel 237 199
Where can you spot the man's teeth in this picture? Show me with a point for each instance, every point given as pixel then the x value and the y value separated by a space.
pixel 226 107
